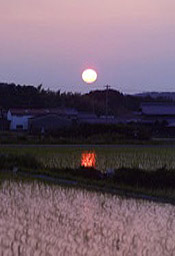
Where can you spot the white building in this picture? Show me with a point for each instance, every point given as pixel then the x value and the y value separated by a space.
pixel 19 118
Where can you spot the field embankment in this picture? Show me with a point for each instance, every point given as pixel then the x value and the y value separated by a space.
pixel 128 171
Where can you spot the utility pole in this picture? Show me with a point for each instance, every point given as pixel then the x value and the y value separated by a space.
pixel 93 104
pixel 107 89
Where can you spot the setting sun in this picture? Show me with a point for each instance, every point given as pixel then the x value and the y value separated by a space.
pixel 89 76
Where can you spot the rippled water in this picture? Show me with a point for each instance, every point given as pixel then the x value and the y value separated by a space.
pixel 37 219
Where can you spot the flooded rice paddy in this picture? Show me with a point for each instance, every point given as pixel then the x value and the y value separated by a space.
pixel 148 158
pixel 37 219
pixel 105 157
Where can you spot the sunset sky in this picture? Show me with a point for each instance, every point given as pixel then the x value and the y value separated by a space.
pixel 131 43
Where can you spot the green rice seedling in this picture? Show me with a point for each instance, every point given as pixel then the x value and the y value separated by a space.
pixel 142 157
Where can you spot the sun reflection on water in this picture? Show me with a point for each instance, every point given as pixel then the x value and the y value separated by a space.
pixel 88 159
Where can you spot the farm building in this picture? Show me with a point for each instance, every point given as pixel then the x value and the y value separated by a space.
pixel 90 118
pixel 158 112
pixel 48 123
pixel 19 118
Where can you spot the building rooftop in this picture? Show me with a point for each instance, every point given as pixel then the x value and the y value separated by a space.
pixel 39 112
pixel 85 115
pixel 158 109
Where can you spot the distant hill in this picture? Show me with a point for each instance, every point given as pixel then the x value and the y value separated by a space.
pixel 155 95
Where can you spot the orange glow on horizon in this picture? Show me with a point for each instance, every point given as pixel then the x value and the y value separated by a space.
pixel 88 159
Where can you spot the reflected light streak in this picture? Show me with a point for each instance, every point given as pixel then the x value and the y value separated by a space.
pixel 88 159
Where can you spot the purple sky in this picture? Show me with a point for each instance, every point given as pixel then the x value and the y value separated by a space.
pixel 131 43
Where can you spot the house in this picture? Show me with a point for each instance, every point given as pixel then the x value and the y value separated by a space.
pixel 69 113
pixel 84 117
pixel 19 118
pixel 91 118
pixel 161 112
pixel 48 123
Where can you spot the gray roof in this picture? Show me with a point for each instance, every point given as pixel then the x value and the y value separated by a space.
pixel 42 111
pixel 98 120
pixel 84 115
pixel 49 121
pixel 158 109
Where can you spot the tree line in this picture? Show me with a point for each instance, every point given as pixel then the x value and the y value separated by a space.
pixel 29 96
